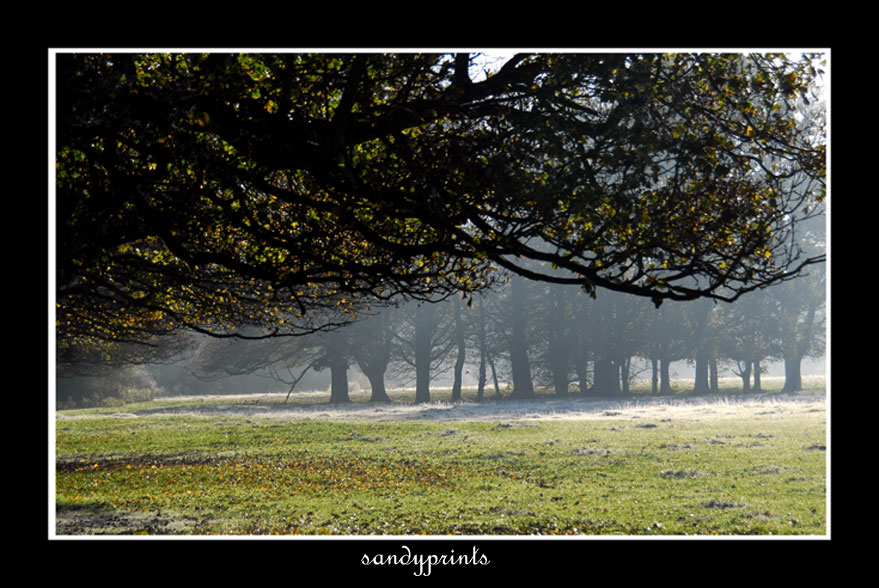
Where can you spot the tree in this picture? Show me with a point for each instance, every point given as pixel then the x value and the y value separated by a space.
pixel 372 349
pixel 580 316
pixel 801 311
pixel 747 335
pixel 801 316
pixel 337 357
pixel 523 386
pixel 423 341
pixel 286 191
pixel 557 323
pixel 606 333
pixel 481 336
pixel 665 339
pixel 491 339
pixel 700 315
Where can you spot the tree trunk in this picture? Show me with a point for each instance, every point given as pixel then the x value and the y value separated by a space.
pixel 746 377
pixel 701 384
pixel 425 325
pixel 376 377
pixel 422 372
pixel 606 381
pixel 339 382
pixel 522 384
pixel 700 312
pixel 654 376
pixel 480 384
pixel 793 379
pixel 757 385
pixel 665 377
pixel 459 362
pixel 497 386
pixel 560 382
pixel 795 348
pixel 373 354
pixel 559 341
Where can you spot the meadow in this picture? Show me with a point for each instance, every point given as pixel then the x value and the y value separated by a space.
pixel 254 465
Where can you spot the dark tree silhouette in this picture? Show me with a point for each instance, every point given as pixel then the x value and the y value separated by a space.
pixel 286 191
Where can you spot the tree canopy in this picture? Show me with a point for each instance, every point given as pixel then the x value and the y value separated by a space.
pixel 220 191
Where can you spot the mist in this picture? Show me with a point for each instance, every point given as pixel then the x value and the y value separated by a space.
pixel 569 344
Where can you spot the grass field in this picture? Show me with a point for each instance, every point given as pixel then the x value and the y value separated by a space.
pixel 751 465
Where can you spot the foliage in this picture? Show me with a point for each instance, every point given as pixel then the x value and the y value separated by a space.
pixel 286 191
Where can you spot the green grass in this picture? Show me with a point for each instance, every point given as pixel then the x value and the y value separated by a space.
pixel 226 475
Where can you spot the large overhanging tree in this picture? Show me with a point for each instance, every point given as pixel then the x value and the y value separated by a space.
pixel 284 192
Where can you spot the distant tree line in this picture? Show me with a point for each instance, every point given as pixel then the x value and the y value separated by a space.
pixel 539 335
pixel 530 335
